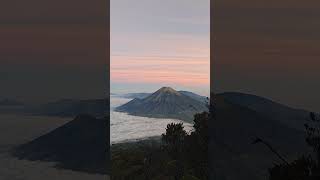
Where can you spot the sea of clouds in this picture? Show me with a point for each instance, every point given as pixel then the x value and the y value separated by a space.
pixel 125 127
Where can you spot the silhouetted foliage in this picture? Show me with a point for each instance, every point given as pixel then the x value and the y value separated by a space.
pixel 198 144
pixel 313 134
pixel 174 138
pixel 300 169
pixel 304 168
pixel 189 151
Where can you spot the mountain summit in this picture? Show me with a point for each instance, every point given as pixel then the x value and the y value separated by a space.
pixel 164 94
pixel 165 103
pixel 168 90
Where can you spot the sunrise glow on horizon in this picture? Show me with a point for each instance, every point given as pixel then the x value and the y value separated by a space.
pixel 164 43
pixel 179 64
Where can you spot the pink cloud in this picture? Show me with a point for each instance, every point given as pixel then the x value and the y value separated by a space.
pixel 182 59
pixel 182 71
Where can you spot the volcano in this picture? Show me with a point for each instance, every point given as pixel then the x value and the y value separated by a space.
pixel 165 103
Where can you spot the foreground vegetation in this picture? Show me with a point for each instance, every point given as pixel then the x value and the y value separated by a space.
pixel 177 155
pixel 306 167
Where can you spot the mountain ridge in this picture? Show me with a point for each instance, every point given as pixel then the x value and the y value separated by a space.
pixel 292 117
pixel 239 119
pixel 79 145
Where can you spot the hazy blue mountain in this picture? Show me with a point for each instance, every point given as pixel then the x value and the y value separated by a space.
pixel 61 108
pixel 240 118
pixel 80 145
pixel 136 95
pixel 10 102
pixel 195 96
pixel 69 107
pixel 11 106
pixel 164 103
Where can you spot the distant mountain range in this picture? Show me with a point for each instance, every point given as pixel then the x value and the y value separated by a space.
pixel 72 108
pixel 135 95
pixel 165 103
pixel 11 106
pixel 10 102
pixel 240 118
pixel 61 108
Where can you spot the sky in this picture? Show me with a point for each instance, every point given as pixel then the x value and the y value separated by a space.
pixel 268 48
pixel 53 49
pixel 157 43
pixel 56 49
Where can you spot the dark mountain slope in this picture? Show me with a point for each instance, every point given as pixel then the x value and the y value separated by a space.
pixel 236 127
pixel 80 145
